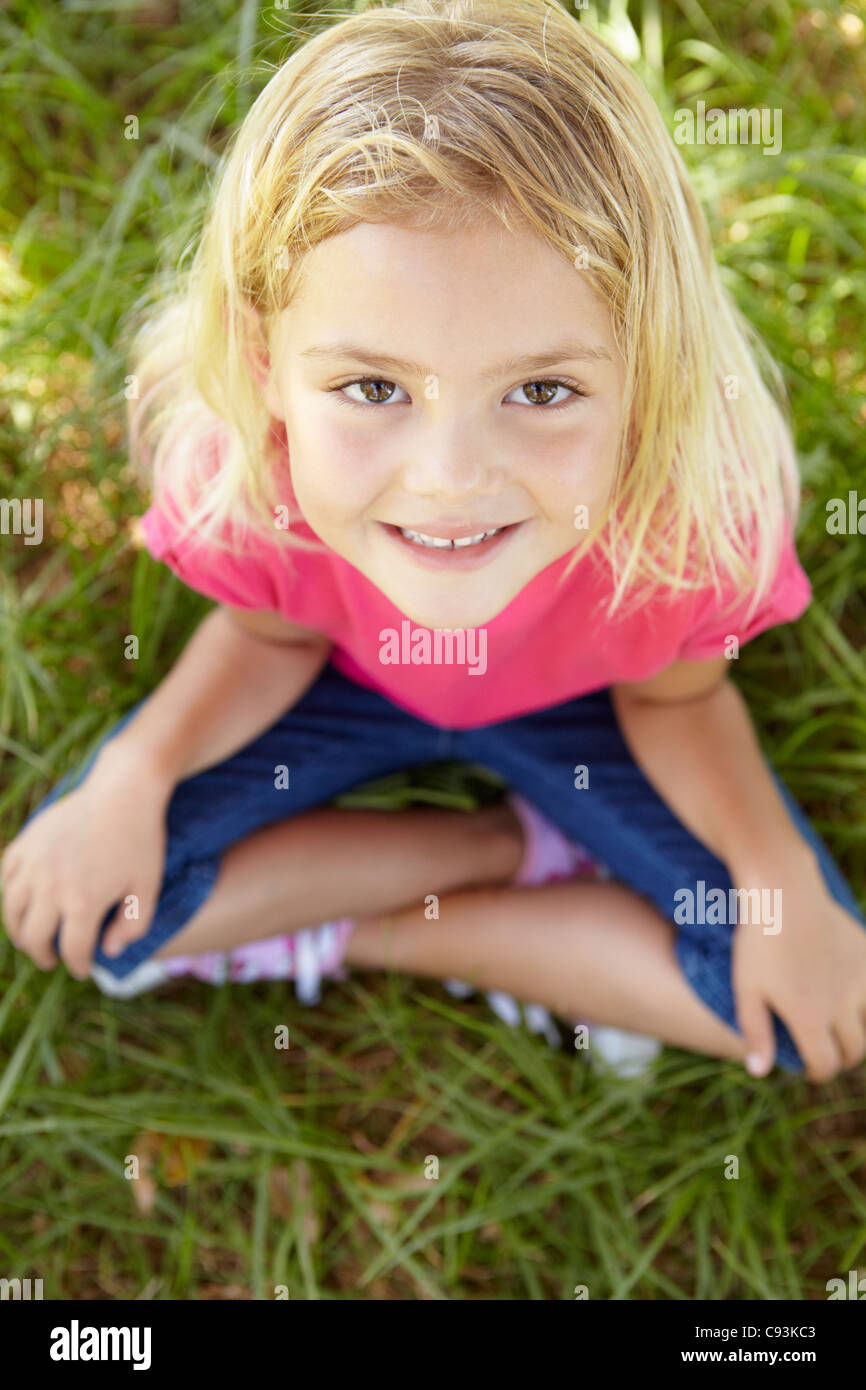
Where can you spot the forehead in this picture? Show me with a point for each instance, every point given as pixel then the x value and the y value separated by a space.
pixel 484 284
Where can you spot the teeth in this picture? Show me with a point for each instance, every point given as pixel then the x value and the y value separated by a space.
pixel 439 543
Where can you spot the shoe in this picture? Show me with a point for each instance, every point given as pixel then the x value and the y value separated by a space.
pixel 145 976
pixel 307 957
pixel 624 1054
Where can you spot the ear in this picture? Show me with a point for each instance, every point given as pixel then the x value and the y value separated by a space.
pixel 257 357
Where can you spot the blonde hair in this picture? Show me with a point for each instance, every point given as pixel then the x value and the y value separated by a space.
pixel 538 122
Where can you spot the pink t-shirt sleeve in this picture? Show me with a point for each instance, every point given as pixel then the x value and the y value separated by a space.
pixel 242 580
pixel 714 620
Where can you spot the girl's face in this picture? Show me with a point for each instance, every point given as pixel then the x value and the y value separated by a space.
pixel 445 386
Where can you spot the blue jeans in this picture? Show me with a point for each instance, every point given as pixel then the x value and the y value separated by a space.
pixel 340 734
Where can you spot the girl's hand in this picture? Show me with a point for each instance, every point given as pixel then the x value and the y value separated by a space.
pixel 92 848
pixel 812 973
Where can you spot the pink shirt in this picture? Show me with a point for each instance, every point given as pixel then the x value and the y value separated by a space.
pixel 550 644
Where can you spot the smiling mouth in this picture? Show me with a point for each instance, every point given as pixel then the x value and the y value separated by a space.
pixel 445 543
pixel 449 546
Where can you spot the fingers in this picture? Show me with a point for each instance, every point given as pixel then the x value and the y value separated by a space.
pixel 756 1024
pixel 826 1048
pixel 35 910
pixel 78 931
pixel 43 917
pixel 850 1036
pixel 10 862
pixel 816 1045
pixel 129 923
pixel 16 899
pixel 35 929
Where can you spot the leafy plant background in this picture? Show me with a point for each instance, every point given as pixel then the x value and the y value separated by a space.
pixel 305 1167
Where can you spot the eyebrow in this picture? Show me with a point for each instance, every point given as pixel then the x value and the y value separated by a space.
pixel 537 361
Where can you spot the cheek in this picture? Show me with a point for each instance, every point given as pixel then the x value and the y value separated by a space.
pixel 570 473
pixel 335 471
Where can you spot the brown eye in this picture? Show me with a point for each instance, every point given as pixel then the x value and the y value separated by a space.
pixel 376 390
pixel 540 392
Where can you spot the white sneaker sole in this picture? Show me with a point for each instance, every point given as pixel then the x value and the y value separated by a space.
pixel 506 1007
pixel 624 1054
pixel 145 976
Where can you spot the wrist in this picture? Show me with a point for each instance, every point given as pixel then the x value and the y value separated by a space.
pixel 787 859
pixel 127 757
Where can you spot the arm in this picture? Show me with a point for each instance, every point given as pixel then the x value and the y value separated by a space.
pixel 104 842
pixel 690 732
pixel 239 671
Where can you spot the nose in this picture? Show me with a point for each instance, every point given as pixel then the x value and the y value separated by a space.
pixel 452 465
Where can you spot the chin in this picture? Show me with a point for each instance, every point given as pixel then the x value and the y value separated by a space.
pixel 459 616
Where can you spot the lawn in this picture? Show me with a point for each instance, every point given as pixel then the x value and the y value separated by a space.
pixel 308 1166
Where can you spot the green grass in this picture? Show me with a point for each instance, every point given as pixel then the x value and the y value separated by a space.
pixel 306 1166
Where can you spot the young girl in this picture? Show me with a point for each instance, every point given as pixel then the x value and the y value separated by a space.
pixel 454 419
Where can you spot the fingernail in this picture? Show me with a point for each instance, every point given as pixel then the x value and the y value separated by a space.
pixel 755 1064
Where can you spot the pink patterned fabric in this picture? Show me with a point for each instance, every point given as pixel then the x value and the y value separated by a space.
pixel 305 956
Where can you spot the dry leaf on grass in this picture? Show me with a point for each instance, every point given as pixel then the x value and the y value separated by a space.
pixel 167 1158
